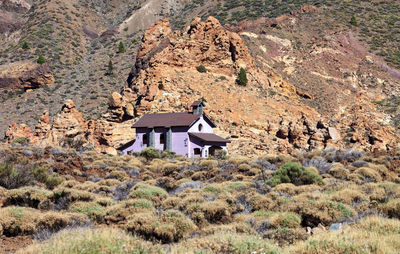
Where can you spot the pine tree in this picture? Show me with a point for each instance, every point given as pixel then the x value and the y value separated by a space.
pixel 242 78
pixel 25 45
pixel 353 21
pixel 121 47
pixel 41 60
pixel 110 68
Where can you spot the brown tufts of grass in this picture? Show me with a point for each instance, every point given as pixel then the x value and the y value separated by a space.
pixel 16 221
pixel 391 208
pixel 348 195
pixel 217 211
pixel 208 164
pixel 370 235
pixel 170 226
pixel 93 210
pixel 285 220
pixel 88 240
pixel 339 172
pixel 152 193
pixel 369 173
pixel 27 196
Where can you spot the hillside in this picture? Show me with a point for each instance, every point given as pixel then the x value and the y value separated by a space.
pixel 308 59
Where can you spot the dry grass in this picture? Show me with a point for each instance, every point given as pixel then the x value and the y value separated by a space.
pixel 87 240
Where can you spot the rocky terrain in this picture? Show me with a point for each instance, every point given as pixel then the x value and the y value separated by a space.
pixel 269 114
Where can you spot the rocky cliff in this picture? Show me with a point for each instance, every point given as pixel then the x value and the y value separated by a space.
pixel 267 115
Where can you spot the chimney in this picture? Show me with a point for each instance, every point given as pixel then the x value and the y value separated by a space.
pixel 198 107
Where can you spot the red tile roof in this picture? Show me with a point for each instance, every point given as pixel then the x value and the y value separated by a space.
pixel 209 137
pixel 166 120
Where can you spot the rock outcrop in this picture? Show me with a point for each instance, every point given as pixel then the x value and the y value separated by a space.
pixel 25 75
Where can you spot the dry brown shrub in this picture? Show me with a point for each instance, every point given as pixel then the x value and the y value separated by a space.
pixel 370 235
pixel 385 173
pixel 369 173
pixel 391 208
pixel 201 175
pixel 374 192
pixel 171 169
pixel 121 211
pixel 109 182
pixel 27 196
pixel 286 236
pixel 244 168
pixel 16 221
pixel 3 192
pixel 208 164
pixel 170 226
pixel 235 227
pixel 118 175
pixel 145 191
pixel 349 195
pixel 323 212
pixel 171 202
pixel 91 209
pixel 339 172
pixel 217 211
pixel 285 220
pixel 261 202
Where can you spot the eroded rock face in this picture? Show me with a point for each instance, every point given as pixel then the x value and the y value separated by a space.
pixel 25 75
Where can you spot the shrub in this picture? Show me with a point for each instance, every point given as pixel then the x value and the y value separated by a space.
pixel 292 172
pixel 201 69
pixel 41 60
pixel 149 192
pixel 242 78
pixel 319 163
pixel 285 220
pixel 110 68
pixel 25 45
pixel 151 153
pixel 353 21
pixel 92 240
pixel 14 177
pixel 21 140
pixel 121 48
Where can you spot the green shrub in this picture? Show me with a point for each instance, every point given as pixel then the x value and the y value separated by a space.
pixel 121 48
pixel 353 21
pixel 242 78
pixel 201 69
pixel 41 60
pixel 25 45
pixel 295 173
pixel 110 69
pixel 152 153
pixel 21 140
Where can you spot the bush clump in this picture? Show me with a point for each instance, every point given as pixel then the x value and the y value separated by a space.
pixel 201 69
pixel 242 78
pixel 292 172
pixel 151 153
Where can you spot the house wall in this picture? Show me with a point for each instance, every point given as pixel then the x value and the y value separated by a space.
pixel 204 146
pixel 138 145
pixel 180 137
pixel 206 126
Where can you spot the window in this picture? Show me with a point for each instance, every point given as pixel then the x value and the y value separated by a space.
pixel 185 142
pixel 200 127
pixel 162 138
pixel 197 151
pixel 144 139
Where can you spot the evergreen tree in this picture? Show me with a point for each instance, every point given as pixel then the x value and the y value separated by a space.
pixel 25 45
pixel 242 78
pixel 121 47
pixel 353 21
pixel 41 60
pixel 110 68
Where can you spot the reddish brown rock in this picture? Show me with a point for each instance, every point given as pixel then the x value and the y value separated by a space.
pixel 25 75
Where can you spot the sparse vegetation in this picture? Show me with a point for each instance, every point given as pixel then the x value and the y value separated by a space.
pixel 231 203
